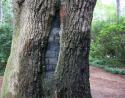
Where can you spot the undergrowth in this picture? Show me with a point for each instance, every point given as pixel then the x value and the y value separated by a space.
pixel 111 66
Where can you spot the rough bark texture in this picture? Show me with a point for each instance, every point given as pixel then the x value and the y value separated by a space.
pixel 24 72
pixel 33 19
pixel 72 71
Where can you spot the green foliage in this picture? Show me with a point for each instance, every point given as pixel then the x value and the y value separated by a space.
pixel 5 34
pixel 109 41
pixel 108 65
pixel 108 45
pixel 115 70
pixel 108 38
pixel 5 43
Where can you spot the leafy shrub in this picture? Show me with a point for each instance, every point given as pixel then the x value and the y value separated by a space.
pixel 110 41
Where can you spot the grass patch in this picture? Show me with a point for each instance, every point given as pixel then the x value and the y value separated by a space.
pixel 115 70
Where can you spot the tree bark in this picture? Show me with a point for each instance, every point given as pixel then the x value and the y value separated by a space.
pixel 72 71
pixel 24 71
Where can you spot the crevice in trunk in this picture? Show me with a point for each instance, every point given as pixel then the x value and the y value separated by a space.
pixel 51 56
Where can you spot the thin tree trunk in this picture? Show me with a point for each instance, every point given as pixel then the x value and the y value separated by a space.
pixel 23 75
pixel 72 71
pixel 118 8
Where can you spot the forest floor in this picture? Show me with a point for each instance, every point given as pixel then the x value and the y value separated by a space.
pixel 104 84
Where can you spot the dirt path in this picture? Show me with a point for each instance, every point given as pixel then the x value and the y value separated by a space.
pixel 104 85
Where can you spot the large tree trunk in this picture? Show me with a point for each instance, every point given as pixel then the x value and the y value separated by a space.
pixel 72 71
pixel 33 19
pixel 24 72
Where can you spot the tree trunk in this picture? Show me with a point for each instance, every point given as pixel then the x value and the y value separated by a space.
pixel 1 11
pixel 72 71
pixel 118 8
pixel 24 71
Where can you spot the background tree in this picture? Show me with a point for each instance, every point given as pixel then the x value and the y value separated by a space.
pixel 1 10
pixel 118 8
